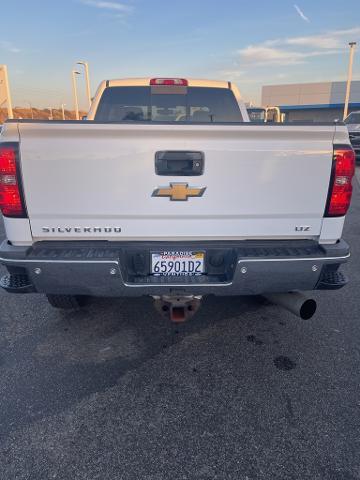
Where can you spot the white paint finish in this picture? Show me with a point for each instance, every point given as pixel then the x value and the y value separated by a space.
pixel 243 109
pixel 331 230
pixel 262 181
pixel 95 103
pixel 341 136
pixel 9 132
pixel 18 231
pixel 145 81
pixel 167 228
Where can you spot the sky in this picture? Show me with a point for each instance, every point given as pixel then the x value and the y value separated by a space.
pixel 251 43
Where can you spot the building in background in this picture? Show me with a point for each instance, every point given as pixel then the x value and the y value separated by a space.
pixel 317 102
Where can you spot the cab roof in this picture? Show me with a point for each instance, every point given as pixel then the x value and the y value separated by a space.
pixel 145 81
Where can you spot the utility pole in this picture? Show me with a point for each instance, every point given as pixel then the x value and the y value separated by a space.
pixel 7 91
pixel 87 80
pixel 63 110
pixel 76 103
pixel 31 108
pixel 348 84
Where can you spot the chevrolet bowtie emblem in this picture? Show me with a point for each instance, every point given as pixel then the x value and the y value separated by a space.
pixel 178 191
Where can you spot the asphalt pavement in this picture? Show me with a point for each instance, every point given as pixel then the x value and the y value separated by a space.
pixel 244 391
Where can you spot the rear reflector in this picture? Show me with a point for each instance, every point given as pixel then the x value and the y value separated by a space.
pixel 169 81
pixel 340 190
pixel 11 203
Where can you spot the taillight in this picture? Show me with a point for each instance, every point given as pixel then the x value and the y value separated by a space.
pixel 340 189
pixel 11 203
pixel 179 82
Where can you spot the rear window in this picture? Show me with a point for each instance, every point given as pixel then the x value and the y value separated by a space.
pixel 168 104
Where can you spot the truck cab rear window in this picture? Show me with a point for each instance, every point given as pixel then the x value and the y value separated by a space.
pixel 144 104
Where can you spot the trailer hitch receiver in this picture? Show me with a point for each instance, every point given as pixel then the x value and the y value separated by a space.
pixel 179 308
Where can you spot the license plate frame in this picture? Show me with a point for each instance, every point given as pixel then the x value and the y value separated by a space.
pixel 191 262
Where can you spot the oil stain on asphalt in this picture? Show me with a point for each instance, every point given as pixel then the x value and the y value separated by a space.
pixel 254 340
pixel 284 363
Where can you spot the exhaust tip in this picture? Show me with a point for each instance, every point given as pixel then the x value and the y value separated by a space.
pixel 296 302
pixel 308 309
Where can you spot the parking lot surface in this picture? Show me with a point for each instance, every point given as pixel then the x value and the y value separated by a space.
pixel 245 390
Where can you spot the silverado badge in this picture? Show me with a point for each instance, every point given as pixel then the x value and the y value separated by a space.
pixel 179 192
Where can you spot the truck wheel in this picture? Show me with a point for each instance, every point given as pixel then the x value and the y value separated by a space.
pixel 66 302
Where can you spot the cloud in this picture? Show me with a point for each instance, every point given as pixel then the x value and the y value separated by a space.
pixel 328 40
pixel 264 55
pixel 115 6
pixel 9 47
pixel 301 13
pixel 286 58
pixel 297 50
pixel 233 74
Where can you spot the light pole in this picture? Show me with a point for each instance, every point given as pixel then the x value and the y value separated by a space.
pixel 51 113
pixel 7 91
pixel 348 84
pixel 76 103
pixel 87 80
pixel 31 108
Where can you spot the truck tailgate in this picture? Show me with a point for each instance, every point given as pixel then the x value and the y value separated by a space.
pixel 90 180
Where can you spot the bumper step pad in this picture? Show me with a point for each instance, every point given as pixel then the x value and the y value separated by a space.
pixel 16 283
pixel 332 281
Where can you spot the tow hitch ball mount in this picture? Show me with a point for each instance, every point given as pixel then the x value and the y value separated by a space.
pixel 179 308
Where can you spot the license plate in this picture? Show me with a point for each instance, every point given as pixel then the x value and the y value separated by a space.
pixel 177 263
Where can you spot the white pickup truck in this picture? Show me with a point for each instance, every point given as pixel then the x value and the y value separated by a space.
pixel 167 190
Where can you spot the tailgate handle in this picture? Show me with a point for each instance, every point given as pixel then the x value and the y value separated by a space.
pixel 179 163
